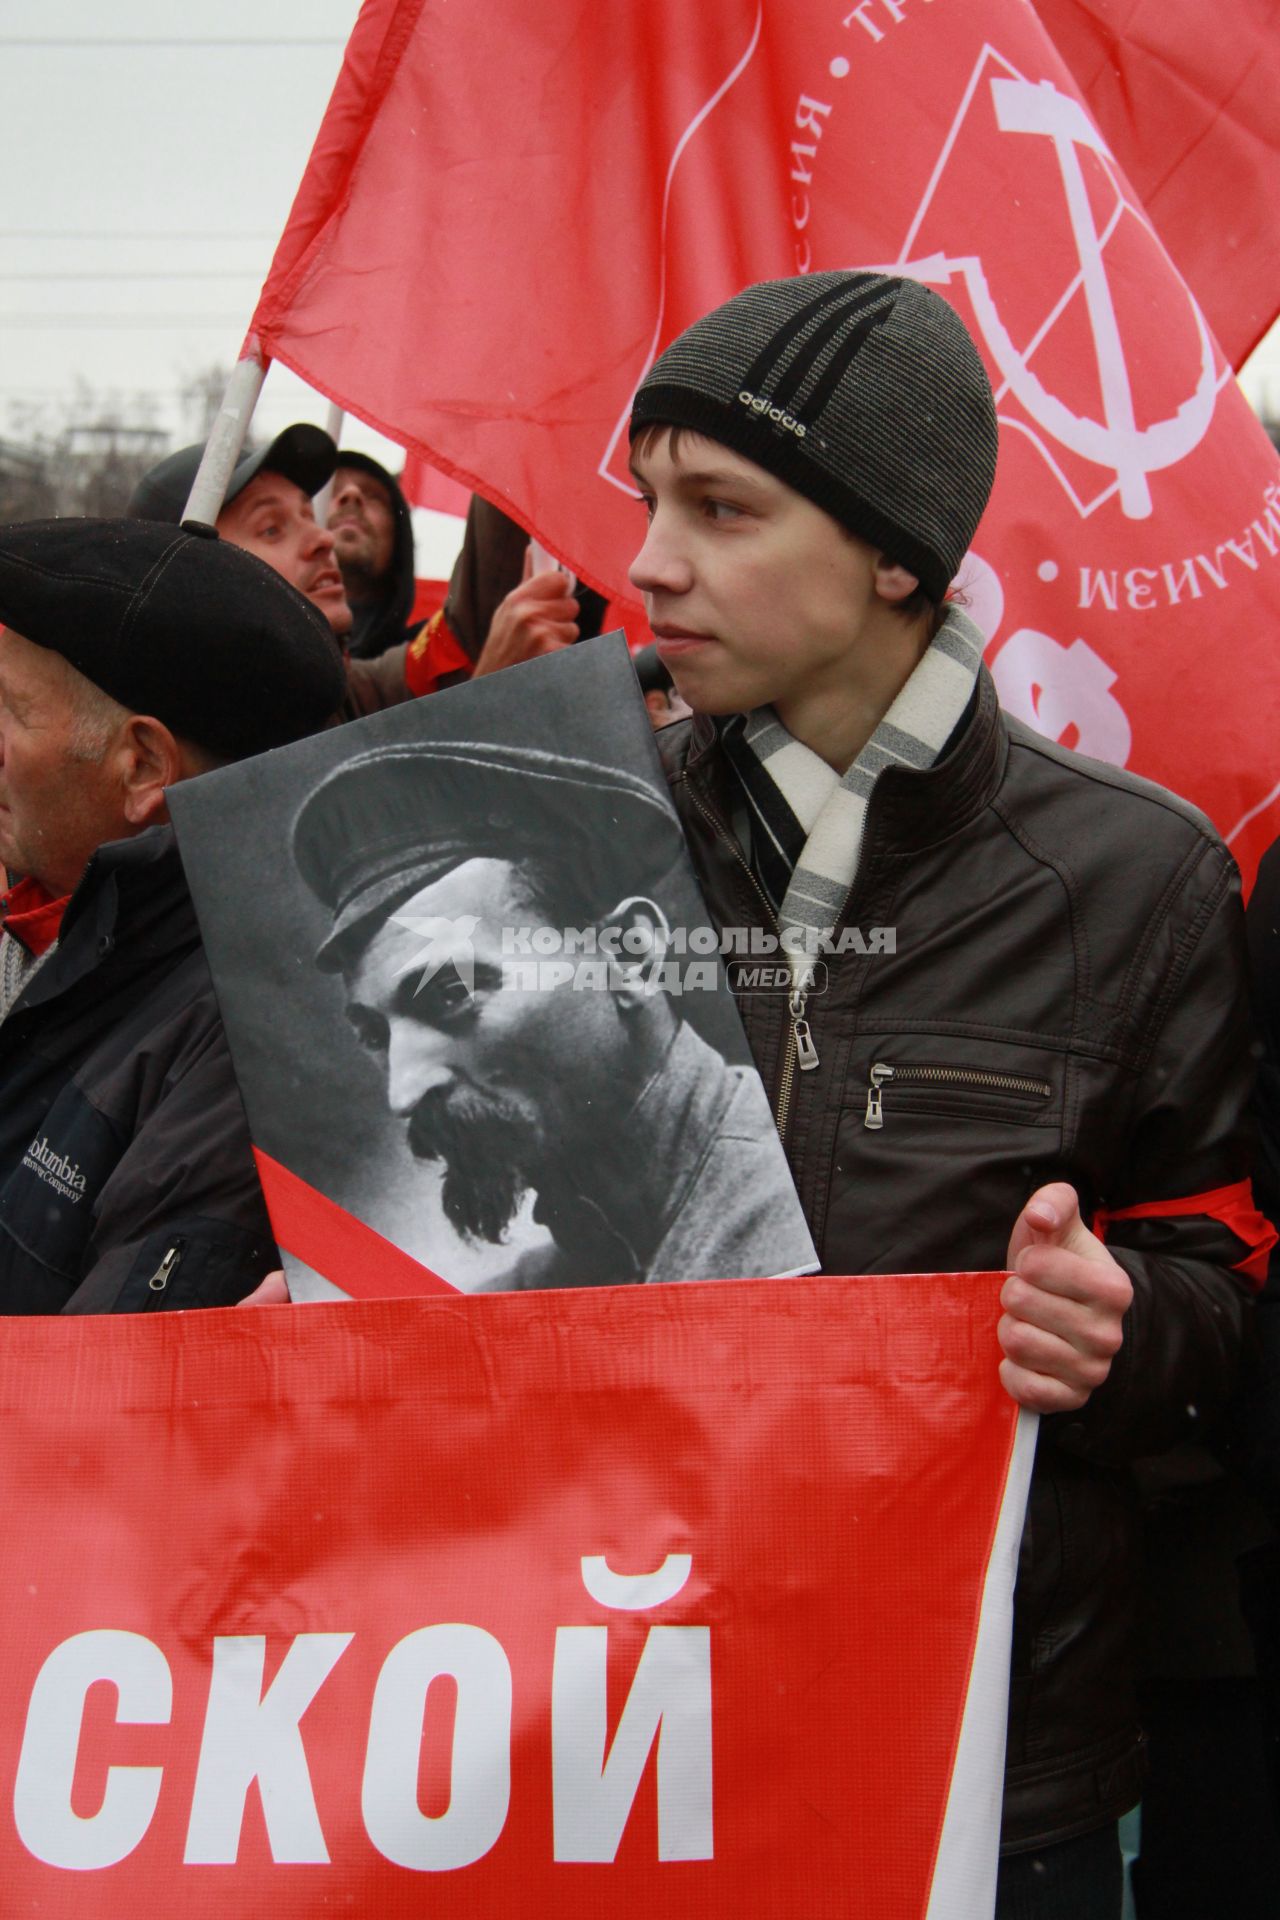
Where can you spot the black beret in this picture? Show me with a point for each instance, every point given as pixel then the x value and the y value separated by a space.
pixel 180 625
pixel 389 822
pixel 305 454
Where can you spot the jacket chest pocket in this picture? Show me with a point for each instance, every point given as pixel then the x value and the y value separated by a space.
pixel 939 1141
pixel 48 1198
pixel 897 1087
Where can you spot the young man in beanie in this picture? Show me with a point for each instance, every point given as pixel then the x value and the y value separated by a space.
pixel 131 656
pixel 1049 1067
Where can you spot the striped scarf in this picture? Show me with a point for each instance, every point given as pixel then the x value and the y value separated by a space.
pixel 807 820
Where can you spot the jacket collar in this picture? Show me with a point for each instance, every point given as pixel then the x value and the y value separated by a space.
pixel 132 898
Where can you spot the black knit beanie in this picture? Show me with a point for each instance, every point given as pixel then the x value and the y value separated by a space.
pixel 863 392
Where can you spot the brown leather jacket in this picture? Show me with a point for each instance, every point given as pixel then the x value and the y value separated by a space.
pixel 1066 995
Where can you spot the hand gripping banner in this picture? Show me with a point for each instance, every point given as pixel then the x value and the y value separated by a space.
pixel 668 1602
pixel 510 211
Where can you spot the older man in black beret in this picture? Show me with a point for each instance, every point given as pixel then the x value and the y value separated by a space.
pixel 131 656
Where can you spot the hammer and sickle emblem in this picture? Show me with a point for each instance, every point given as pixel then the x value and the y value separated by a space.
pixel 1116 441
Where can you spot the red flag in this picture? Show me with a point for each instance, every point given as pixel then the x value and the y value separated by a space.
pixel 688 1601
pixel 425 486
pixel 585 183
pixel 1186 96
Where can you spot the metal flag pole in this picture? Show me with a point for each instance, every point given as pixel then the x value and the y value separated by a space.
pixel 333 427
pixel 226 437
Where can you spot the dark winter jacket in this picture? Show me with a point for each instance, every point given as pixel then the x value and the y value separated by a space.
pixel 1064 1002
pixel 126 1176
pixel 373 685
pixel 1263 1396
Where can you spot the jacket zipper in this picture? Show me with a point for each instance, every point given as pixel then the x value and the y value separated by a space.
pixel 945 1077
pixel 802 1052
pixel 164 1273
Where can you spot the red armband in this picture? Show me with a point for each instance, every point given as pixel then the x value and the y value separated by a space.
pixel 1232 1206
pixel 433 654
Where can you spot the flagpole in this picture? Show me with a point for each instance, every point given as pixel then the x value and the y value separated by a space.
pixel 333 427
pixel 226 437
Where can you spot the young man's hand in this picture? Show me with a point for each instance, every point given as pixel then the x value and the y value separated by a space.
pixel 1064 1305
pixel 271 1292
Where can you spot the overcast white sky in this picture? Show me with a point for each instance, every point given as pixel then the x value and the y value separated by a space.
pixel 152 153
pixel 148 174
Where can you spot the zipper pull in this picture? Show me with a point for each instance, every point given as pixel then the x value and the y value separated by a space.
pixel 874 1117
pixel 164 1272
pixel 806 1052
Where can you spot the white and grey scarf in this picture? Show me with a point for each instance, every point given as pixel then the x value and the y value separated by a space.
pixel 807 820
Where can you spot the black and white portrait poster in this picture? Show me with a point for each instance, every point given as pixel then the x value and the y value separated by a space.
pixel 474 999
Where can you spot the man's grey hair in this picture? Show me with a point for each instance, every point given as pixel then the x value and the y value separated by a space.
pixel 95 718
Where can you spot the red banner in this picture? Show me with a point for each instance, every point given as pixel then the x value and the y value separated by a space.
pixel 650 1601
pixel 510 210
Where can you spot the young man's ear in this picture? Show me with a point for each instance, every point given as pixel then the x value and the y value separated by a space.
pixel 893 582
pixel 641 933
pixel 151 760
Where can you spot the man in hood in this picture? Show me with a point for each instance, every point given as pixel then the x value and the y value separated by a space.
pixel 373 545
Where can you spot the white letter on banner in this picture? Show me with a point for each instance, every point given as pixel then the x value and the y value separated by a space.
pixel 47 1824
pixel 858 13
pixel 249 1735
pixel 635 1592
pixel 1053 688
pixel 480 1774
pixel 670 1697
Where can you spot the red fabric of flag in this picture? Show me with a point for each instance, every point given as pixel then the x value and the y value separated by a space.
pixel 1186 95
pixel 512 210
pixel 425 486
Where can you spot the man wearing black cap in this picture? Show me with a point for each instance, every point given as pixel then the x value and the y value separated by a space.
pixel 358 569
pixel 131 656
pixel 267 510
pixel 1058 1034
pixel 651 1158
